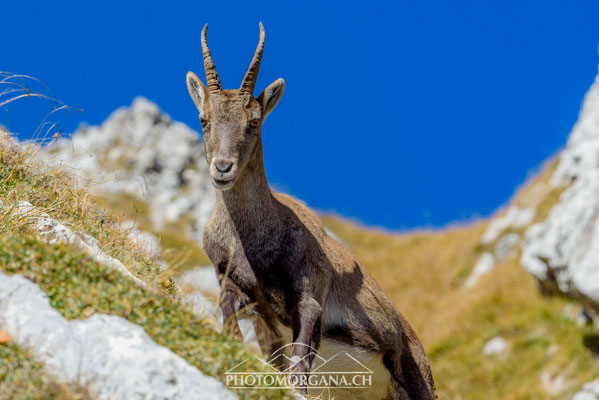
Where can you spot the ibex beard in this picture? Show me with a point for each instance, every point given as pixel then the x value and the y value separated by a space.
pixel 274 257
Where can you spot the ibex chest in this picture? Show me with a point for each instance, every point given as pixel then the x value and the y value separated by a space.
pixel 266 289
pixel 257 268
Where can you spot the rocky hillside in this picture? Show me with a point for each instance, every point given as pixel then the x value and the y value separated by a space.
pixel 88 307
pixel 140 153
pixel 481 296
pixel 563 250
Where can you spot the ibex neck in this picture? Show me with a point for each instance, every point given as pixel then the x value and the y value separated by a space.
pixel 250 201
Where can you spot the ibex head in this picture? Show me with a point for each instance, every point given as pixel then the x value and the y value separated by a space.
pixel 232 119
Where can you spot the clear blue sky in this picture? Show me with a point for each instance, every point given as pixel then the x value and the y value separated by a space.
pixel 398 114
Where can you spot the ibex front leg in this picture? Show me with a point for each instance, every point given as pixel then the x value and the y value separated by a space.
pixel 230 298
pixel 306 320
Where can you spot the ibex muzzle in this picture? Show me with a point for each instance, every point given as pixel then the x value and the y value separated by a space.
pixel 231 119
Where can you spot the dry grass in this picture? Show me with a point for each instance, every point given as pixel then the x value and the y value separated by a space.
pixel 420 271
pixel 54 191
pixel 424 274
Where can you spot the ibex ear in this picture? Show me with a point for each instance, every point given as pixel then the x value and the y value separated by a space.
pixel 269 98
pixel 197 90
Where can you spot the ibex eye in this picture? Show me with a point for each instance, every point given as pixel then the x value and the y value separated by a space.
pixel 254 123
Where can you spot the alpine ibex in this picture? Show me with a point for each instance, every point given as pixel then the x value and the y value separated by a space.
pixel 272 252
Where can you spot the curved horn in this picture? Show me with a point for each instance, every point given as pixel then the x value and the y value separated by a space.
pixel 212 78
pixel 249 80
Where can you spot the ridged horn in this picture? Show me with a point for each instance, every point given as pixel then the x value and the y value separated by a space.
pixel 212 78
pixel 249 80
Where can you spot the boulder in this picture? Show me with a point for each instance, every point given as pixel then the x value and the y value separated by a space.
pixel 113 358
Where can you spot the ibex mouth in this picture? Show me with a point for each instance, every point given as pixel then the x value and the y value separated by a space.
pixel 223 184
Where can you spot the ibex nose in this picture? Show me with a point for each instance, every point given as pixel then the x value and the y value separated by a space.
pixel 223 166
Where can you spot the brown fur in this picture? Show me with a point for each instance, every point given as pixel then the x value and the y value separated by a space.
pixel 274 253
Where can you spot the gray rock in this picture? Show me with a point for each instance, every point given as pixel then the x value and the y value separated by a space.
pixel 495 346
pixel 112 357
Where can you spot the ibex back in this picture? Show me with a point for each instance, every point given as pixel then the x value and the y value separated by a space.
pixel 273 255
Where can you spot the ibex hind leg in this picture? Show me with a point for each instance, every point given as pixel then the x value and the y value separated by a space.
pixel 410 382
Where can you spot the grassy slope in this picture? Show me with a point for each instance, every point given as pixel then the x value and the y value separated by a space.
pixel 79 287
pixel 424 273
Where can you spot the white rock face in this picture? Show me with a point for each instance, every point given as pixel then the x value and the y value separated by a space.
pixel 141 152
pixel 113 357
pixel 563 251
pixel 495 346
pixel 485 264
